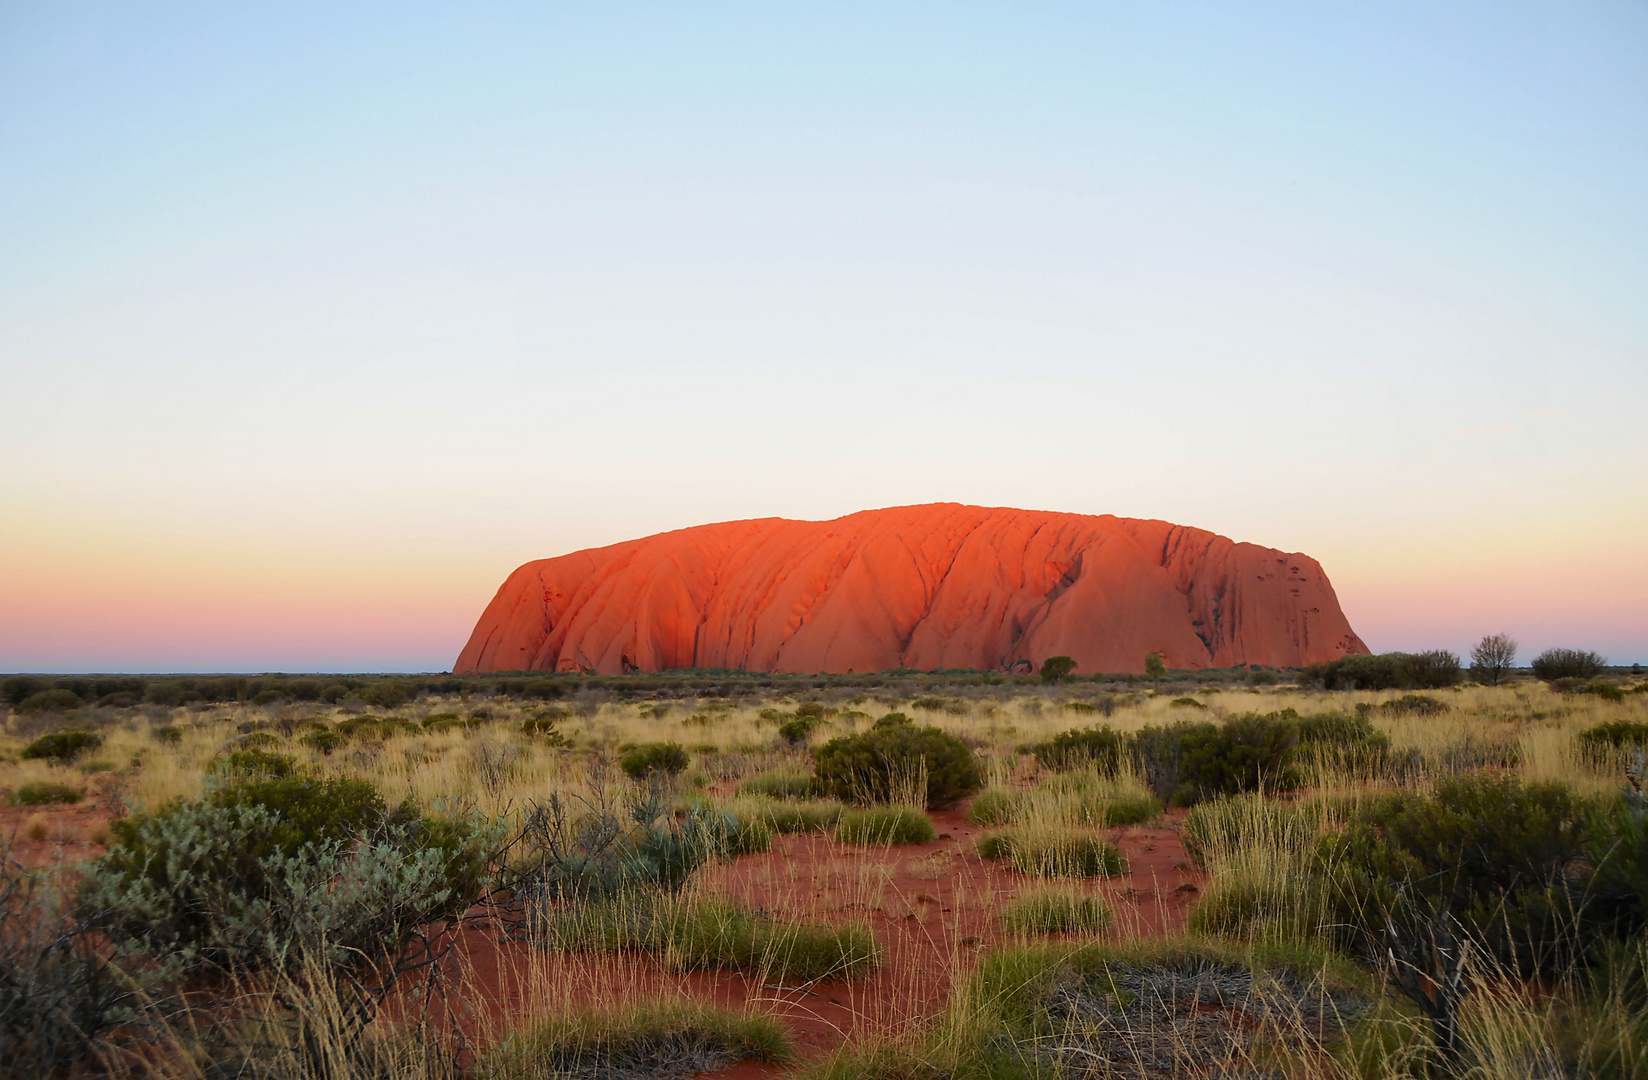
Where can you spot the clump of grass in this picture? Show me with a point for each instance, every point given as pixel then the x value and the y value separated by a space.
pixel 816 815
pixel 1261 853
pixel 46 793
pixel 1056 911
pixel 659 1038
pixel 1085 797
pixel 995 806
pixel 715 934
pixel 779 785
pixel 884 825
pixel 1048 850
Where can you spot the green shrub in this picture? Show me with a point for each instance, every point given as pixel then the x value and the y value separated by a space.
pixel 545 726
pixel 884 825
pixel 1388 671
pixel 1336 729
pixel 1616 734
pixel 874 766
pixel 387 694
pixel 17 689
pixel 573 849
pixel 1056 911
pixel 779 785
pixel 1347 743
pixel 1492 852
pixel 1554 664
pixel 795 732
pixel 261 873
pixel 938 704
pixel 46 793
pixel 647 758
pixel 1084 748
pixel 249 763
pixel 1414 705
pixel 1057 669
pixel 61 999
pixel 62 745
pixel 1607 691
pixel 1188 703
pixel 1187 762
pixel 49 701
pixel 167 733
pixel 323 741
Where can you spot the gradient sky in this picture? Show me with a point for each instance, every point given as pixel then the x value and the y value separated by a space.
pixel 317 321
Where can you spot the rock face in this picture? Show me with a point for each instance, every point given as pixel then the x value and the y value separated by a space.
pixel 937 586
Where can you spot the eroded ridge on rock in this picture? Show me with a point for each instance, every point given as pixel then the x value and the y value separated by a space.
pixel 935 586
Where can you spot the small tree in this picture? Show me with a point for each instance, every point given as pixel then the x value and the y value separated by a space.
pixel 1057 669
pixel 1154 667
pixel 1493 658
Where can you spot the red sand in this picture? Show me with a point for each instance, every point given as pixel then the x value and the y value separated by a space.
pixel 933 908
pixel 938 586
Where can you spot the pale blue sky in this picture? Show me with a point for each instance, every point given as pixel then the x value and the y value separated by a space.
pixel 327 317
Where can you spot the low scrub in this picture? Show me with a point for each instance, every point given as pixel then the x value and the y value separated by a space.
pixel 1432 670
pixel 260 873
pixel 1190 761
pixel 47 793
pixel 665 1039
pixel 884 825
pixel 253 764
pixel 61 999
pixel 1616 735
pixel 1495 854
pixel 58 700
pixel 898 762
pixel 1554 664
pixel 584 848
pixel 62 745
pixel 1056 911
pixel 665 757
pixel 1097 748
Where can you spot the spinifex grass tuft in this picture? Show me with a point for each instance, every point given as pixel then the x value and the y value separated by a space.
pixel 1045 850
pixel 1056 911
pixel 673 1038
pixel 884 825
pixel 817 815
pixel 715 933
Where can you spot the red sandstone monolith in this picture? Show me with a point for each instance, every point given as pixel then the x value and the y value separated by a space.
pixel 937 586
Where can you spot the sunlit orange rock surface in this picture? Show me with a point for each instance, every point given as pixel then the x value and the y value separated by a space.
pixel 938 586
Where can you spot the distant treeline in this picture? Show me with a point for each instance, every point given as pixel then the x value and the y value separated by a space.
pixel 391 691
pixel 1411 671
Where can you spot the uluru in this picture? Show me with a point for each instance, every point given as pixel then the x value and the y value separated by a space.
pixel 923 587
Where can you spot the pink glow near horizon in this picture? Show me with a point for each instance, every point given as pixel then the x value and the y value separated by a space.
pixel 311 330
